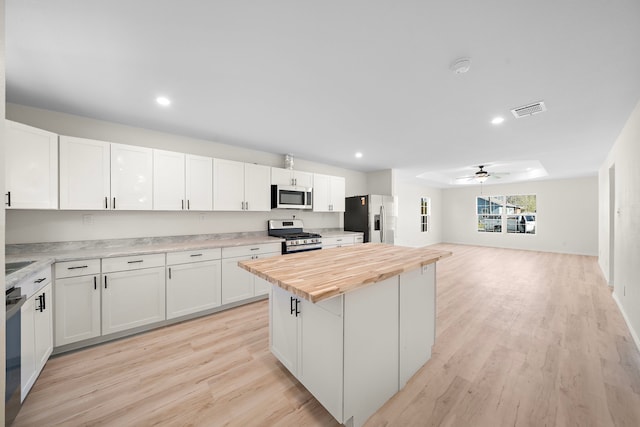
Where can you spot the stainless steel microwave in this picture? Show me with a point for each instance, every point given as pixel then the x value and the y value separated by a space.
pixel 290 197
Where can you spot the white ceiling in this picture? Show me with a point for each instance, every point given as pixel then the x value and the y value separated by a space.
pixel 324 79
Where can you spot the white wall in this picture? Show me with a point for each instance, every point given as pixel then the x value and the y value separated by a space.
pixel 625 155
pixel 47 226
pixel 380 182
pixel 408 232
pixel 567 219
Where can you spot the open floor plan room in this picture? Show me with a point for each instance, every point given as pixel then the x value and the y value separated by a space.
pixel 523 338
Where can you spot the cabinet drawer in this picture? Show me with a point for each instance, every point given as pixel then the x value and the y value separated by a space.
pixel 358 239
pixel 264 248
pixel 335 241
pixel 134 262
pixel 35 281
pixel 193 256
pixel 77 268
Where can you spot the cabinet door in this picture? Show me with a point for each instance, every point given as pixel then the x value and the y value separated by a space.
pixel 281 176
pixel 417 320
pixel 228 185
pixel 168 181
pixel 131 177
pixel 43 327
pixel 321 192
pixel 257 187
pixel 237 283
pixel 77 309
pixel 337 194
pixel 370 345
pixel 321 352
pixel 283 337
pixel 31 167
pixel 132 298
pixel 303 179
pixel 193 287
pixel 199 190
pixel 84 174
pixel 261 286
pixel 27 346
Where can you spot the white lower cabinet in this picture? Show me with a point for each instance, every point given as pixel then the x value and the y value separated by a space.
pixel 237 283
pixel 193 286
pixel 132 298
pixel 77 313
pixel 354 351
pixel 337 242
pixel 36 336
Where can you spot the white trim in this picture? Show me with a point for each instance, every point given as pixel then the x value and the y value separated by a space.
pixel 634 335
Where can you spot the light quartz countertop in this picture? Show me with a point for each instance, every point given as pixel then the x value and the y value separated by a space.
pixel 319 275
pixel 45 254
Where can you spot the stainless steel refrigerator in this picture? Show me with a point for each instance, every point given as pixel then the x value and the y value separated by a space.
pixel 374 215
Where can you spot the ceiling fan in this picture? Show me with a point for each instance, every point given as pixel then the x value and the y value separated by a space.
pixel 482 175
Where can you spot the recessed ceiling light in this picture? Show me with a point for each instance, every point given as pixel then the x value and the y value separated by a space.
pixel 497 120
pixel 164 101
pixel 358 155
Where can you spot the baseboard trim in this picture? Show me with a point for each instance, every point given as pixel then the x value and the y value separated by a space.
pixel 634 335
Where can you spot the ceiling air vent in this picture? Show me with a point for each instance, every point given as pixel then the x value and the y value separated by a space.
pixel 529 110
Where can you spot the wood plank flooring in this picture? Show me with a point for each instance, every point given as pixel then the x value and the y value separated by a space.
pixel 523 339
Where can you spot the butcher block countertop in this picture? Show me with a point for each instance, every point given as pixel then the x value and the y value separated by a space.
pixel 319 275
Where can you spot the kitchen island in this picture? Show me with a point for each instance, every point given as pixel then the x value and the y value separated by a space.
pixel 352 324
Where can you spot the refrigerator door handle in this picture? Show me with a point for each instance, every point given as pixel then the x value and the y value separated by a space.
pixel 382 223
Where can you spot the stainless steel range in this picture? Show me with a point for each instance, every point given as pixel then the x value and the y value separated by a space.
pixel 296 240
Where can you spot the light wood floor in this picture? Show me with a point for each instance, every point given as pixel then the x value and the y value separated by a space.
pixel 523 339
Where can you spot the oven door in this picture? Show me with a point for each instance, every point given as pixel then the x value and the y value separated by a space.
pixel 287 197
pixel 14 302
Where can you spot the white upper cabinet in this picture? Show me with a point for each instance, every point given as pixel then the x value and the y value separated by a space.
pixel 84 174
pixel 131 177
pixel 241 186
pixel 199 190
pixel 281 176
pixel 328 193
pixel 257 187
pixel 31 167
pixel 228 185
pixel 168 180
pixel 337 193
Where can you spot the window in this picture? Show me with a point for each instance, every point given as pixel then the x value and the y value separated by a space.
pixel 513 214
pixel 425 213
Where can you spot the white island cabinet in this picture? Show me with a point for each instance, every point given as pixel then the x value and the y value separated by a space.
pixel 353 341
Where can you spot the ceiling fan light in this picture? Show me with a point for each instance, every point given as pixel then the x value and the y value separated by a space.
pixel 481 178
